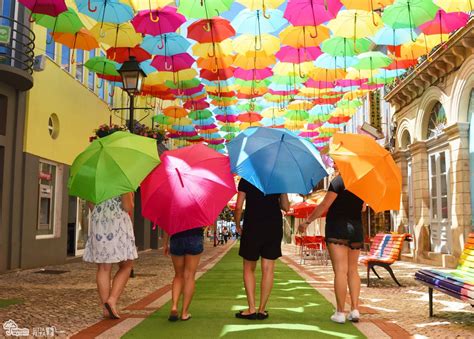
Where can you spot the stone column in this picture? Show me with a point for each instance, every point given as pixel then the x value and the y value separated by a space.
pixel 421 196
pixel 459 175
pixel 401 217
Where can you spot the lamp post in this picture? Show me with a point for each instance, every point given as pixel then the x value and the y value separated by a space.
pixel 132 78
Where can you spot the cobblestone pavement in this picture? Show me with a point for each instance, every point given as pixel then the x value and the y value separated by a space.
pixel 69 301
pixel 406 306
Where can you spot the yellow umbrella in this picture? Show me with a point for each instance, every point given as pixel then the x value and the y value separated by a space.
pixel 455 5
pixel 294 124
pixel 255 60
pixel 220 88
pixel 366 5
pixel 288 68
pixel 300 105
pixel 304 36
pixel 327 75
pixel 356 74
pixel 245 125
pixel 273 112
pixel 355 94
pixel 116 35
pixel 309 92
pixel 365 165
pixel 185 74
pixel 221 102
pixel 154 78
pixel 261 4
pixel 139 5
pixel 217 49
pixel 215 63
pixel 355 24
pixel 250 43
pixel 253 91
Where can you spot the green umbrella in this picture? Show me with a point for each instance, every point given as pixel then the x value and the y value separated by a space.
pixel 252 83
pixel 287 80
pixel 200 114
pixel 381 81
pixel 162 119
pixel 409 13
pixel 112 166
pixel 203 8
pixel 231 129
pixel 250 106
pixel 372 60
pixel 349 104
pixel 66 22
pixel 102 65
pixel 185 84
pixel 298 115
pixel 216 147
pixel 230 136
pixel 343 47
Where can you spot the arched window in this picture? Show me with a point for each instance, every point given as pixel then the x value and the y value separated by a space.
pixel 406 140
pixel 437 121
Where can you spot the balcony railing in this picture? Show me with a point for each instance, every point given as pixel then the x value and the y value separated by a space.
pixel 19 52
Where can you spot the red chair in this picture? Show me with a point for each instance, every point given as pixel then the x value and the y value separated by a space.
pixel 314 247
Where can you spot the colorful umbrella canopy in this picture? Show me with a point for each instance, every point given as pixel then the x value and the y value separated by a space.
pixel 48 7
pixel 311 12
pixel 116 35
pixel 265 156
pixel 114 12
pixel 165 44
pixel 355 24
pixel 111 166
pixel 211 30
pixel 122 54
pixel 203 8
pixel 158 21
pixel 102 65
pixel 455 6
pixel 363 165
pixel 409 13
pixel 66 22
pixel 177 194
pixel 445 23
pixel 253 22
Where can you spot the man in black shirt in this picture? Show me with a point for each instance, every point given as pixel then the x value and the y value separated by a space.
pixel 261 237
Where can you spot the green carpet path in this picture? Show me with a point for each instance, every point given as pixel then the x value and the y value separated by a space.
pixel 296 309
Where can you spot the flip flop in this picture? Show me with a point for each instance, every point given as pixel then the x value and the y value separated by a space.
pixel 251 316
pixel 262 316
pixel 173 316
pixel 185 319
pixel 112 315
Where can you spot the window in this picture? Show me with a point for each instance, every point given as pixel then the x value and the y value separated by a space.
pixel 91 76
pixel 50 46
pixel 110 97
pixel 471 151
pixel 47 198
pixel 437 121
pixel 102 84
pixel 80 65
pixel 439 202
pixel 411 202
pixel 65 58
pixel 406 140
pixel 53 126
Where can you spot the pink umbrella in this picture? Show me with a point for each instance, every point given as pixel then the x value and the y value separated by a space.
pixel 309 134
pixel 196 105
pixel 284 93
pixel 188 189
pixel 348 82
pixel 172 63
pixel 318 84
pixel 204 127
pixel 313 126
pixel 158 21
pixel 188 91
pixel 227 118
pixel 215 141
pixel 445 23
pixel 48 7
pixel 298 55
pixel 311 12
pixel 253 74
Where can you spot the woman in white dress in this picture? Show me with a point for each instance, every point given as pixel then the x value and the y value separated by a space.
pixel 111 241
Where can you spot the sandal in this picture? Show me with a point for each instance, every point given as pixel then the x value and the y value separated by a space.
pixel 262 315
pixel 185 319
pixel 251 316
pixel 109 309
pixel 173 316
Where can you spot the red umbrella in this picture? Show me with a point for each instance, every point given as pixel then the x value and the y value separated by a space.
pixel 219 74
pixel 172 63
pixel 188 189
pixel 196 105
pixel 158 21
pixel 115 78
pixel 122 54
pixel 339 119
pixel 249 117
pixel 212 30
pixel 48 7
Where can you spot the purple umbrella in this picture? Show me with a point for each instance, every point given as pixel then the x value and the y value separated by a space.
pixel 298 55
pixel 158 21
pixel 48 7
pixel 172 63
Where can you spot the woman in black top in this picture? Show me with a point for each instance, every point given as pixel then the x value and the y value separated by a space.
pixel 344 237
pixel 261 237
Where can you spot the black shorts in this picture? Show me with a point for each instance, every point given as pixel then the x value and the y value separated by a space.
pixel 262 242
pixel 345 231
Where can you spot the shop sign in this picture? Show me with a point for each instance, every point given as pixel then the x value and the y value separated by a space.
pixel 5 34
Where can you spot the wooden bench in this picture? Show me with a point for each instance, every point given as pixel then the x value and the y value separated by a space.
pixel 384 251
pixel 458 283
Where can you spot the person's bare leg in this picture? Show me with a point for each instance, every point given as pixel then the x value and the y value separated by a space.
pixel 191 263
pixel 178 281
pixel 354 278
pixel 339 254
pixel 266 284
pixel 119 282
pixel 103 284
pixel 249 282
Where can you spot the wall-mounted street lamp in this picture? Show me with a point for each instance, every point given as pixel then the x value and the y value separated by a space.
pixel 132 78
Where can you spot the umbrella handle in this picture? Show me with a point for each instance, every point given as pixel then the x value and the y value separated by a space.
pixel 207 27
pixel 216 69
pixel 315 34
pixel 168 68
pixel 152 19
pixel 264 10
pixel 100 83
pixel 213 51
pixel 111 94
pixel 162 40
pixel 372 11
pixel 92 10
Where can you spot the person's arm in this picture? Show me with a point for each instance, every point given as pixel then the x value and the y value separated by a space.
pixel 319 210
pixel 127 202
pixel 239 205
pixel 90 205
pixel 284 202
pixel 364 207
pixel 166 247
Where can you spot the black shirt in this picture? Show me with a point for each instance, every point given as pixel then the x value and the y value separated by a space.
pixel 260 209
pixel 347 204
pixel 189 233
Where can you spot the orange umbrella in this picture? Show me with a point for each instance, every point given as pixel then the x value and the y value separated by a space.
pixel 80 40
pixel 215 63
pixel 368 170
pixel 175 112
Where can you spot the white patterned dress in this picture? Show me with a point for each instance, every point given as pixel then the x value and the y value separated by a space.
pixel 111 238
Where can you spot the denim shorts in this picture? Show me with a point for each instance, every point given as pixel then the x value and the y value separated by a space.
pixel 189 245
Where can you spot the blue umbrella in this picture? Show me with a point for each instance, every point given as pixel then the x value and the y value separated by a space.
pixel 204 122
pixel 276 160
pixel 272 121
pixel 328 61
pixel 253 22
pixel 227 110
pixel 394 36
pixel 165 44
pixel 321 109
pixel 112 11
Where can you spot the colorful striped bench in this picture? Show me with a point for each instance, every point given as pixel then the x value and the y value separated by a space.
pixel 458 283
pixel 384 251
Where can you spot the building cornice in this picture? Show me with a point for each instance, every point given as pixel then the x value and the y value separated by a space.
pixel 417 147
pixel 446 59
pixel 457 130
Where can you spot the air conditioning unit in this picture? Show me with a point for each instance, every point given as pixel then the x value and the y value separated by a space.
pixel 40 63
